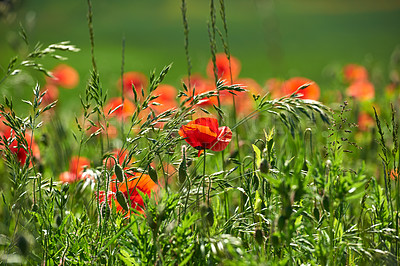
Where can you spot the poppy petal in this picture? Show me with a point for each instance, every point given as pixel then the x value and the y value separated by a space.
pixel 223 139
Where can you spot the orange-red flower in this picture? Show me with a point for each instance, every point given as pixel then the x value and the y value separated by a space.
pixel 244 102
pixel 204 133
pixel 223 71
pixel 124 110
pixel 166 98
pixel 64 76
pixel 51 94
pixel 77 165
pixel 137 79
pixel 365 121
pixel 17 148
pixel 362 90
pixel 311 92
pixel 201 85
pixel 136 182
pixel 354 72
pixel 394 174
pixel 274 86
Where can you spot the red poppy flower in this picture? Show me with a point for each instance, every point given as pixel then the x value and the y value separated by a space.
pixel 166 98
pixel 126 110
pixel 354 72
pixel 77 165
pixel 365 121
pixel 274 85
pixel 362 90
pixel 64 76
pixel 137 79
pixel 17 148
pixel 51 94
pixel 312 92
pixel 201 85
pixel 222 64
pixel 394 174
pixel 204 133
pixel 136 182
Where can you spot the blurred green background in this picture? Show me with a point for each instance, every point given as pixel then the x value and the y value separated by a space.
pixel 311 38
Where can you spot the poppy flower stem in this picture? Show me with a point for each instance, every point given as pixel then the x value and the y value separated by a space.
pixel 204 176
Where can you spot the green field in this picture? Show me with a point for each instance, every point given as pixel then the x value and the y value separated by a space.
pixel 271 38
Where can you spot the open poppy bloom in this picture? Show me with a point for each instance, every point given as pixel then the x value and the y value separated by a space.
pixel 64 76
pixel 204 133
pixel 365 121
pixel 362 90
pixel 17 148
pixel 354 72
pixel 77 166
pixel 119 109
pixel 166 98
pixel 274 85
pixel 201 85
pixel 312 92
pixel 222 64
pixel 136 182
pixel 137 79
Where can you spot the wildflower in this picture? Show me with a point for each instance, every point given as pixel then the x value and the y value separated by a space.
pixel 136 182
pixel 119 109
pixel 77 166
pixel 64 76
pixel 312 92
pixel 17 146
pixel 365 121
pixel 166 98
pixel 354 72
pixel 201 85
pixel 223 70
pixel 362 90
pixel 137 79
pixel 394 174
pixel 274 86
pixel 244 103
pixel 204 133
pixel 51 94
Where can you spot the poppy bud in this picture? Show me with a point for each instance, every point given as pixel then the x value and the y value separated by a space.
pixel 325 202
pixel 58 220
pixel 258 235
pixel 281 222
pixel 316 213
pixel 153 174
pixel 119 172
pixel 210 216
pixel 22 244
pixel 264 166
pixel 122 200
pixel 105 211
pixel 275 240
